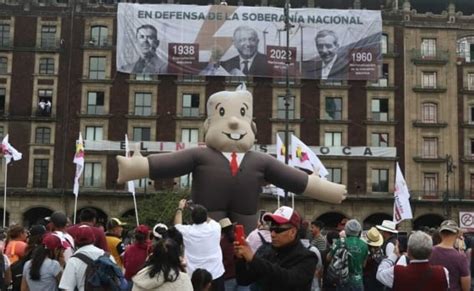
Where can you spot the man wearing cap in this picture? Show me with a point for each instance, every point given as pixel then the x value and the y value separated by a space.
pixel 201 243
pixel 135 254
pixel 75 272
pixel 418 275
pixel 358 251
pixel 389 233
pixel 287 265
pixel 113 236
pixel 446 255
pixel 58 222
pixel 88 216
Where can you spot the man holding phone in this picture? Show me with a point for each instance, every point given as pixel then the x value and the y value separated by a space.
pixel 287 265
pixel 201 242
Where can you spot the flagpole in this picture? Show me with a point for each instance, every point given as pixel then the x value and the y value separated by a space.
pixel 75 208
pixel 5 195
pixel 136 208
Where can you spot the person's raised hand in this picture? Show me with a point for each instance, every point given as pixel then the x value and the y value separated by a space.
pixel 243 251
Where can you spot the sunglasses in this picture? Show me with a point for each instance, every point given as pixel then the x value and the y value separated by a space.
pixel 278 229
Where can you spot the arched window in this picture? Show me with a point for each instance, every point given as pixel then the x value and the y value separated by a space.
pixel 99 35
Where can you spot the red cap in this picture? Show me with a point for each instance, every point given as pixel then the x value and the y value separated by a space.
pixel 284 215
pixel 84 235
pixel 142 229
pixel 52 242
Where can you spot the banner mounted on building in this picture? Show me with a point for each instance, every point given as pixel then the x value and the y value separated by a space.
pixel 240 40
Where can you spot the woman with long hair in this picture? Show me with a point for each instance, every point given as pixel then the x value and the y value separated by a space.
pixel 43 271
pixel 162 270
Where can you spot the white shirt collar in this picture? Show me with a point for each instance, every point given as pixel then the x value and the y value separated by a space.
pixel 327 68
pixel 249 64
pixel 228 156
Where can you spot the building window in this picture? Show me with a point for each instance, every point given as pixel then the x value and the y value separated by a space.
pixel 4 35
pixel 430 147
pixel 143 77
pixel 97 68
pixel 471 114
pixel 46 66
pixel 332 139
pixel 94 133
pixel 429 113
pixel 2 132
pixel 430 184
pixel 384 43
pixel 428 47
pixel 40 173
pixel 3 94
pixel 428 80
pixel 379 109
pixel 281 107
pixel 189 135
pixel 95 102
pixel 45 97
pixel 380 139
pixel 191 104
pixel 472 147
pixel 48 36
pixel 99 35
pixel 141 134
pixel 143 104
pixel 379 180
pixel 92 174
pixel 43 135
pixel 470 81
pixel 333 108
pixel 335 175
pixel 472 186
pixel 3 65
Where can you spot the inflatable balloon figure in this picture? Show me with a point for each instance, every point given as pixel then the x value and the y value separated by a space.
pixel 227 175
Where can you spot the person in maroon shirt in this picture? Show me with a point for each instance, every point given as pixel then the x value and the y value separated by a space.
pixel 88 216
pixel 135 254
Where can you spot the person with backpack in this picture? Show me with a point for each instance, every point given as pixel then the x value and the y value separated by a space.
pixel 286 265
pixel 16 243
pixel 374 240
pixel 44 270
pixel 74 275
pixel 162 270
pixel 347 259
pixel 34 240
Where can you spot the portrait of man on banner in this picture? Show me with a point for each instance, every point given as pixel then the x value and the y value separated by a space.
pixel 249 61
pixel 148 61
pixel 331 64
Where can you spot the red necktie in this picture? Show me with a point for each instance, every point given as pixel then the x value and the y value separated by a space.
pixel 234 167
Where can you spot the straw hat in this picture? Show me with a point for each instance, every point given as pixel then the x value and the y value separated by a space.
pixel 373 237
pixel 388 226
pixel 225 222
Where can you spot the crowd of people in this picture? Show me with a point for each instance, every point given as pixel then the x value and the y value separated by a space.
pixel 283 252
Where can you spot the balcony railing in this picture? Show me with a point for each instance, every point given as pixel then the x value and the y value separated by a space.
pixel 437 58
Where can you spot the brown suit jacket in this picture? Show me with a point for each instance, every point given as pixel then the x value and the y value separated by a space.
pixel 215 187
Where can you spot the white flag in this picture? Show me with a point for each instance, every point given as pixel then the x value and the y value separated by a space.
pixel 305 158
pixel 130 184
pixel 9 152
pixel 401 206
pixel 79 161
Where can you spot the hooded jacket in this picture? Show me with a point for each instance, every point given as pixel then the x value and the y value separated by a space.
pixel 142 282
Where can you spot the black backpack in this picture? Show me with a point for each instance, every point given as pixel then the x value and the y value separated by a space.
pixel 102 274
pixel 17 273
pixel 338 268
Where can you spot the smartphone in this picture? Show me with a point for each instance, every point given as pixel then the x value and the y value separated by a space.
pixel 239 233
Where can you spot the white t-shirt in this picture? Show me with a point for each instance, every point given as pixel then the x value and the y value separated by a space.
pixel 202 247
pixel 75 271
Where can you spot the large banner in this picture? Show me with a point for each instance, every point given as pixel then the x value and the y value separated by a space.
pixel 239 41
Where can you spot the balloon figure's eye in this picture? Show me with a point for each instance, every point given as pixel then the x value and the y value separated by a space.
pixel 242 111
pixel 221 111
